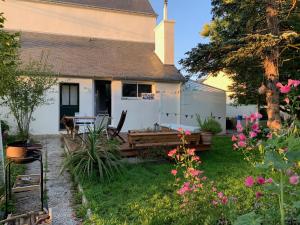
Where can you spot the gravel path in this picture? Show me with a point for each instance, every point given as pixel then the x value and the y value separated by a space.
pixel 58 185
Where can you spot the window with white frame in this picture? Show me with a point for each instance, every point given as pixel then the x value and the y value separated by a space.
pixel 135 90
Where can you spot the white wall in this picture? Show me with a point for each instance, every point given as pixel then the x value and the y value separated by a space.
pixel 205 104
pixel 46 117
pixel 234 111
pixel 145 113
pixel 77 21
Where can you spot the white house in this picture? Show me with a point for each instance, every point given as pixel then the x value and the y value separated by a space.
pixel 222 81
pixel 108 53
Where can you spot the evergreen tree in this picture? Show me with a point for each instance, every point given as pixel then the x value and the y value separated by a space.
pixel 253 41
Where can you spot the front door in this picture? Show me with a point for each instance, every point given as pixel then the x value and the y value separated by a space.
pixel 69 100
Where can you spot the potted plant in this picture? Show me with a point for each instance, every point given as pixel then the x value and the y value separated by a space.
pixel 209 127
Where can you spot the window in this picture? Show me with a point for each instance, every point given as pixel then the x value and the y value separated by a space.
pixel 69 94
pixel 136 90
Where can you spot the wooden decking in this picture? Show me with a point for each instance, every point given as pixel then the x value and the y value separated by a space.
pixel 130 151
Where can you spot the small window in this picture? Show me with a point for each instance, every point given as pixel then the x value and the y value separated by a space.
pixel 135 90
pixel 130 90
pixel 69 94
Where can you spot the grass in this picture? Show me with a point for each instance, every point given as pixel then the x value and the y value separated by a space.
pixel 145 193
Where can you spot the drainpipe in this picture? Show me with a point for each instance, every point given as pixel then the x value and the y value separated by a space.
pixel 2 178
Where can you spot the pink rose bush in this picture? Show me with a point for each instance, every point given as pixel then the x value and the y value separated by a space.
pixel 189 179
pixel 276 153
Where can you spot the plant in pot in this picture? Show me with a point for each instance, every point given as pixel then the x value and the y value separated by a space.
pixel 209 127
pixel 4 130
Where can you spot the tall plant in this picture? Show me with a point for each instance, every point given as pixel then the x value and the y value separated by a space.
pixel 28 93
pixel 97 157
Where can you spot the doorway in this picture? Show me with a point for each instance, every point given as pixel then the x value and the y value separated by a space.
pixel 103 97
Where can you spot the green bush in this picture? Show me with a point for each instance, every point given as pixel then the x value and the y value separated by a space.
pixel 97 158
pixel 209 125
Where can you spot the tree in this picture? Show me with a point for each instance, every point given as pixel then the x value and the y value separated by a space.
pixel 9 45
pixel 253 42
pixel 28 93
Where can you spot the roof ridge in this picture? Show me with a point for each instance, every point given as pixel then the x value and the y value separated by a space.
pixel 97 5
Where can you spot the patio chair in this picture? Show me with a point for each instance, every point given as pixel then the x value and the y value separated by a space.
pixel 115 131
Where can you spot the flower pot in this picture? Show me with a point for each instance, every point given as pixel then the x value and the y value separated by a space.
pixel 206 138
pixel 16 150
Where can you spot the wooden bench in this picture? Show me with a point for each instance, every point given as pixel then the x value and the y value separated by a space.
pixel 157 139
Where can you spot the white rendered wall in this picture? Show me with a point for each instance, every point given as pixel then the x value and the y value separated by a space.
pixel 46 117
pixel 241 110
pixel 205 104
pixel 144 114
pixel 77 21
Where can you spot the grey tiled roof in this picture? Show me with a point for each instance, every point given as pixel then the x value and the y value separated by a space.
pixel 137 6
pixel 98 58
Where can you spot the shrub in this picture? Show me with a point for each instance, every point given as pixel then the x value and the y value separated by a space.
pixel 97 157
pixel 209 125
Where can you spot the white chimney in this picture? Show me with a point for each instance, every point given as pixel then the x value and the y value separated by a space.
pixel 164 38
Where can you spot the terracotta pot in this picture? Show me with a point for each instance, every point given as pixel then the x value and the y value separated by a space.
pixel 16 150
pixel 206 138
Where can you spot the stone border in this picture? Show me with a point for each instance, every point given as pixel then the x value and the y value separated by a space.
pixel 84 200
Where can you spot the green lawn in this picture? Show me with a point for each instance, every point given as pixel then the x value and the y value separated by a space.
pixel 145 193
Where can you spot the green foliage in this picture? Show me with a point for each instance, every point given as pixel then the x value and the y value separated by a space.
pixel 239 40
pixel 9 44
pixel 28 93
pixel 209 125
pixel 249 219
pixel 98 158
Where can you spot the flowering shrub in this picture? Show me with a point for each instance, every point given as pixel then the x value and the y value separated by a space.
pixel 278 154
pixel 187 163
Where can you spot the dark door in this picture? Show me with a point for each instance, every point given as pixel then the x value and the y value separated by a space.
pixel 103 97
pixel 69 100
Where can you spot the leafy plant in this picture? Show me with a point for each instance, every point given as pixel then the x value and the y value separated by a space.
pixel 28 93
pixel 97 157
pixel 209 125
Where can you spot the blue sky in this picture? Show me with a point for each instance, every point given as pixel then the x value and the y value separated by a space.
pixel 190 16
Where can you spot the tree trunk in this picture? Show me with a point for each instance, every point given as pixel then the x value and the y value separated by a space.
pixel 271 69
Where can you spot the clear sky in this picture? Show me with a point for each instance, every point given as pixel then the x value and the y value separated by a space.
pixel 190 16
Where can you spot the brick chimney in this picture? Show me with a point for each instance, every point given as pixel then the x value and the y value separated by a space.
pixel 164 38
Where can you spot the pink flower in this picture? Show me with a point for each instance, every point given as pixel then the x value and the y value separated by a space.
pixel 194 172
pixel 253 117
pixel 234 138
pixel 249 181
pixel 253 134
pixel 294 180
pixel 289 172
pixel 294 83
pixel 180 129
pixel 242 137
pixel 270 181
pixel 172 152
pixel 258 115
pixel 224 200
pixel 215 203
pixel 204 178
pixel 269 135
pixel 258 195
pixel 239 127
pixel 220 195
pixel 174 172
pixel 242 144
pixel 191 151
pixel 187 132
pixel 284 89
pixel 261 180
pixel 214 189
pixel 255 128
pixel 287 100
pixel 196 158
